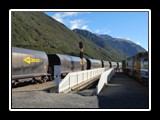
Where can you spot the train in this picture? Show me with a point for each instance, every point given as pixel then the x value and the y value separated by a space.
pixel 28 65
pixel 137 67
pixel 33 65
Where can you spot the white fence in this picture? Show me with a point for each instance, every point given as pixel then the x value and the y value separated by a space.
pixel 76 78
pixel 104 79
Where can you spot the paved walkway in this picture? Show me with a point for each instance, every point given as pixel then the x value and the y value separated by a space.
pixel 123 92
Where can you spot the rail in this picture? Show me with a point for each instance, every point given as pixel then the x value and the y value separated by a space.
pixel 104 79
pixel 75 78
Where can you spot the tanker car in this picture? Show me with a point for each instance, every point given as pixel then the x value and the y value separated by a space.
pixel 37 66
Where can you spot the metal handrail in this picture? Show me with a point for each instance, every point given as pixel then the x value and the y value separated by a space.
pixel 76 78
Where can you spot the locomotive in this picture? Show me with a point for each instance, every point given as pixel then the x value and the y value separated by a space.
pixel 137 67
pixel 33 65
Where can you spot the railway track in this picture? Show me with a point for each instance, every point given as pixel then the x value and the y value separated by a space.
pixel 35 87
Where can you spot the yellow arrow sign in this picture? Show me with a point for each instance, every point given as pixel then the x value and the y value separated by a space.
pixel 81 62
pixel 29 60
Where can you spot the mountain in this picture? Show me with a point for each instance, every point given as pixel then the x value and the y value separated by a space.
pixel 121 48
pixel 110 49
pixel 125 47
pixel 37 31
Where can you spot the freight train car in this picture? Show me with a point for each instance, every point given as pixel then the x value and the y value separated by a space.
pixel 137 66
pixel 60 65
pixel 106 64
pixel 32 65
pixel 93 64
pixel 119 65
pixel 28 65
pixel 144 68
pixel 114 65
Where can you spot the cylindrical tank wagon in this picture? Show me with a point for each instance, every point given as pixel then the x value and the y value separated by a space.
pixel 106 64
pixel 114 65
pixel 93 64
pixel 119 65
pixel 33 65
pixel 28 64
pixel 63 64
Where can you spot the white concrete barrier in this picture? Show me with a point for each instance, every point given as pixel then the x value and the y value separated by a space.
pixel 76 78
pixel 104 79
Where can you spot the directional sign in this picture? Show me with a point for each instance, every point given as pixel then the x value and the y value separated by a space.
pixel 29 60
pixel 82 62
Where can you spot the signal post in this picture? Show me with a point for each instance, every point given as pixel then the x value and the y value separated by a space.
pixel 81 54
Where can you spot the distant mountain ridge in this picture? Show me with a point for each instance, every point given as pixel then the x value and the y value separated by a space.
pixel 126 47
pixel 37 31
pixel 98 40
pixel 123 47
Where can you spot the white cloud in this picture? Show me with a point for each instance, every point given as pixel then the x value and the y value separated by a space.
pixel 60 16
pixel 79 23
pixel 70 14
pixel 76 23
pixel 65 18
pixel 138 43
pixel 84 27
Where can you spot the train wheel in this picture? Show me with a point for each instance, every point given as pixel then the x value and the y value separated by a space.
pixel 44 79
pixel 15 83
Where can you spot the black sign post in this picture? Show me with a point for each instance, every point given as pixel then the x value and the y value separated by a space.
pixel 81 54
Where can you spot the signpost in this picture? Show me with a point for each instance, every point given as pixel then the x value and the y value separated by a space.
pixel 81 54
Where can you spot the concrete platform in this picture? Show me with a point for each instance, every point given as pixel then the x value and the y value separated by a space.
pixel 123 92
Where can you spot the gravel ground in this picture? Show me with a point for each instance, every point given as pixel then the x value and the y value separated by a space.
pixel 34 87
pixel 42 99
pixel 122 93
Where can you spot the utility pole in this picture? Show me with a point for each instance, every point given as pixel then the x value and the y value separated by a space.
pixel 81 54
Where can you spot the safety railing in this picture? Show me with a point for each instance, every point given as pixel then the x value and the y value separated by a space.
pixel 76 78
pixel 104 79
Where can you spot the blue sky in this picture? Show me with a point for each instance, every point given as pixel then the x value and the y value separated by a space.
pixel 129 25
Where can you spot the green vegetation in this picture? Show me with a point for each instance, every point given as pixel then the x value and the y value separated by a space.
pixel 37 31
pixel 110 50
